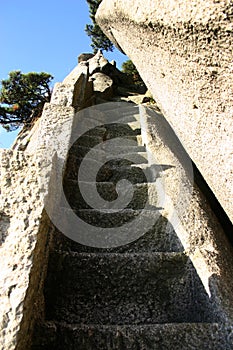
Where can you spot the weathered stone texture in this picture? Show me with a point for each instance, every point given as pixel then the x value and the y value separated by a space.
pixel 33 170
pixel 24 247
pixel 27 176
pixel 174 281
pixel 97 63
pixel 183 51
pixel 186 208
pixel 62 94
pixel 102 84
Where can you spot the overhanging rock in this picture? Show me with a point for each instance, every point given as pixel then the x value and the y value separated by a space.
pixel 183 51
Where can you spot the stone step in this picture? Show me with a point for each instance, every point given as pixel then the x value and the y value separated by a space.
pixel 103 151
pixel 125 288
pixel 106 228
pixel 133 123
pixel 91 141
pixel 111 112
pixel 110 171
pixel 135 138
pixel 103 154
pixel 99 158
pixel 112 218
pixel 117 129
pixel 94 131
pixel 132 119
pixel 161 237
pixel 174 336
pixel 121 129
pixel 129 119
pixel 87 140
pixel 110 192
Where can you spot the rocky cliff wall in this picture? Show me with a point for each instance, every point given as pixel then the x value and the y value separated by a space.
pixel 23 247
pixel 183 51
pixel 28 176
pixel 31 177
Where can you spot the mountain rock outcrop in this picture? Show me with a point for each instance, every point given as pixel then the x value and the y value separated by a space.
pixel 153 273
pixel 183 51
pixel 26 177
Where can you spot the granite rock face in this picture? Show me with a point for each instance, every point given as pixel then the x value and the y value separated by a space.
pixel 27 176
pixel 169 285
pixel 183 52
pixel 102 83
pixel 169 288
pixel 24 247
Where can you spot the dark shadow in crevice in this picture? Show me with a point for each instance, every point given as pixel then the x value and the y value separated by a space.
pixel 214 204
pixel 192 172
pixel 4 226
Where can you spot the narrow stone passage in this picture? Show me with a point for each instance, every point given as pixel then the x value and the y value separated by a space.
pixel 142 295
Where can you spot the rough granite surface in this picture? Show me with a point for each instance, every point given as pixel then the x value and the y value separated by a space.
pixel 27 175
pixel 24 247
pixel 181 275
pixel 183 51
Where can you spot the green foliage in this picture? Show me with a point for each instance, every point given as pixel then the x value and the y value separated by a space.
pixel 99 39
pixel 22 98
pixel 129 68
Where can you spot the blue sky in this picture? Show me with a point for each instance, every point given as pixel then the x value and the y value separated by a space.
pixel 43 36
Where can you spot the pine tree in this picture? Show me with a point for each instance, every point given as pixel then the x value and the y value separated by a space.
pixel 22 97
pixel 99 39
pixel 129 68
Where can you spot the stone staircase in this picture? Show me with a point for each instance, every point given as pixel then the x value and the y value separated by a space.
pixel 145 295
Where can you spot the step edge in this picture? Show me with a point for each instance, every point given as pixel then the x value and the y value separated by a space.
pixel 150 325
pixel 161 255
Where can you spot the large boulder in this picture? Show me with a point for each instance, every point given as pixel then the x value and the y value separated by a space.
pixel 102 84
pixel 183 51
